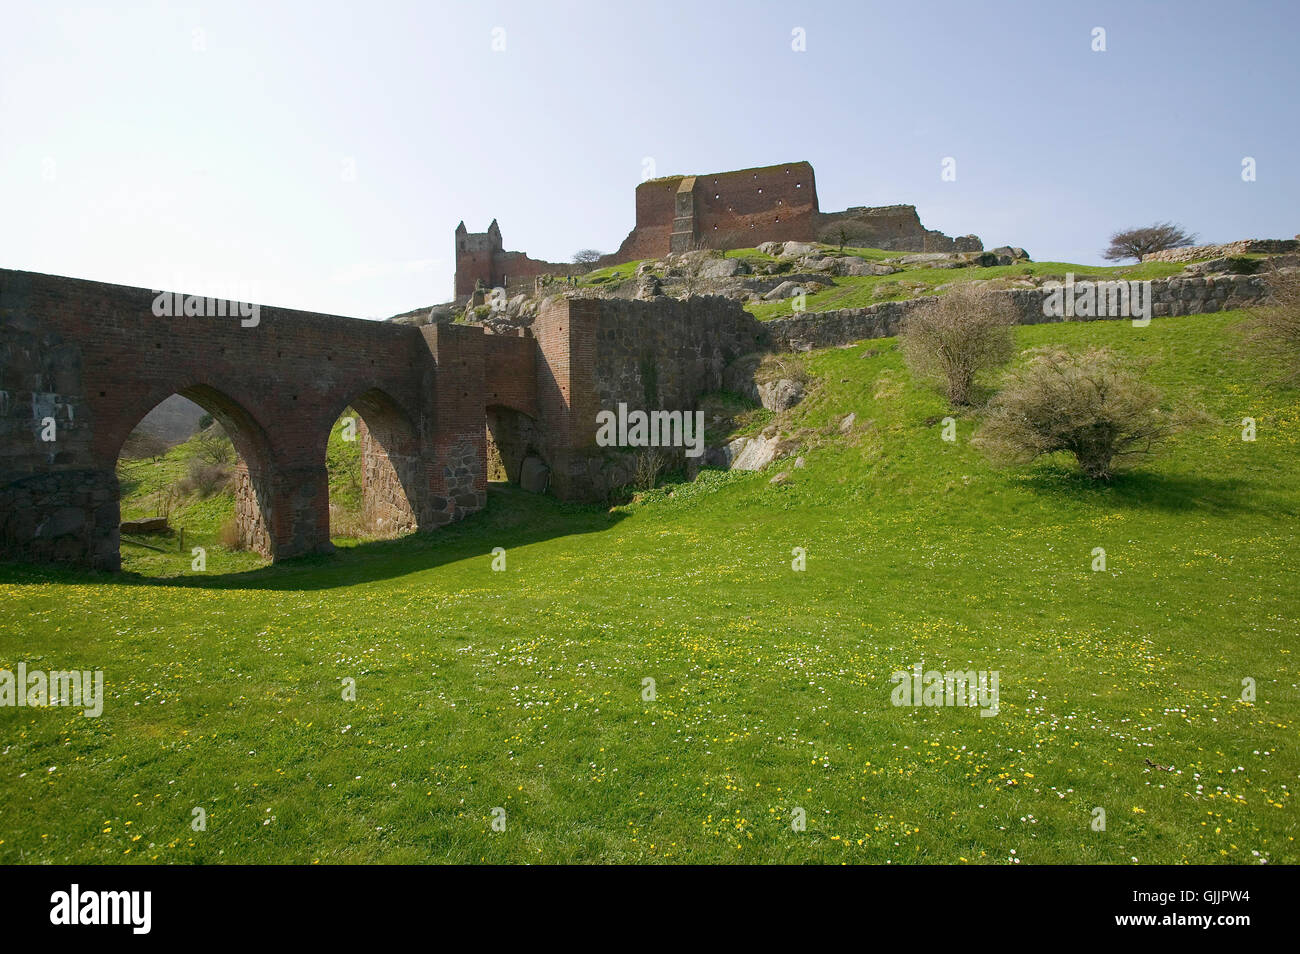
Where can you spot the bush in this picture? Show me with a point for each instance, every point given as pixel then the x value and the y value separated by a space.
pixel 1273 330
pixel 205 478
pixel 954 338
pixel 1091 404
pixel 213 446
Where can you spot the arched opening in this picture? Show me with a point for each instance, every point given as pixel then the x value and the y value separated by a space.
pixel 373 462
pixel 193 487
pixel 514 449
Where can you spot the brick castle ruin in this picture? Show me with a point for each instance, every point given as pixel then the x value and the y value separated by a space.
pixel 722 210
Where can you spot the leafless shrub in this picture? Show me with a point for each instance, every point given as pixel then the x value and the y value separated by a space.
pixel 650 465
pixel 1273 330
pixel 1090 403
pixel 165 500
pixel 205 478
pixel 951 340
pixel 213 446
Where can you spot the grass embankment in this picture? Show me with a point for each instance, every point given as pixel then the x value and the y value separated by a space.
pixel 524 689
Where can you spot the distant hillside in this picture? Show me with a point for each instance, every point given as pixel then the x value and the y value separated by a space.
pixel 174 420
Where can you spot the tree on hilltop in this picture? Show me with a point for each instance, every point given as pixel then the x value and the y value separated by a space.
pixel 587 257
pixel 1134 243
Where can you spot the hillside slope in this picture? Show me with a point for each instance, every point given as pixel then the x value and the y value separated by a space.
pixel 527 689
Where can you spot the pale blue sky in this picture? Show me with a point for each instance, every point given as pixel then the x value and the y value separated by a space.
pixel 139 151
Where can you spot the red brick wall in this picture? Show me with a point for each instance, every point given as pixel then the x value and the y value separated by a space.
pixel 743 209
pixel 730 211
pixel 510 372
pixel 655 202
pixel 472 266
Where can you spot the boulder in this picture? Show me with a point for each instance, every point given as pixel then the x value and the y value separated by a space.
pixel 649 287
pixel 786 289
pixel 867 268
pixel 797 249
pixel 534 475
pixel 752 453
pixel 780 395
pixel 722 268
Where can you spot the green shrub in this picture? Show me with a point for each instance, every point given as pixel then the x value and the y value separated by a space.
pixel 1090 403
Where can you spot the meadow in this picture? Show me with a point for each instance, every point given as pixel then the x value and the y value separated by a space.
pixel 525 690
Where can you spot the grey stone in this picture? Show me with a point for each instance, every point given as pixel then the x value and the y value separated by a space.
pixel 534 475
pixel 780 395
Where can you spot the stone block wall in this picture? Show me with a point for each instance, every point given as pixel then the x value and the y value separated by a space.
pixel 1171 296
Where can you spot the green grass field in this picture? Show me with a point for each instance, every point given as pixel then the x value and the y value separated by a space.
pixel 523 689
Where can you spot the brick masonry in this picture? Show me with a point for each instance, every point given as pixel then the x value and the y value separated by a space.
pixel 95 359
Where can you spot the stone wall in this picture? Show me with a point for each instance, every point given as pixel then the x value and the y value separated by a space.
pixel 1170 296
pixel 650 355
pixel 892 227
pixel 1243 247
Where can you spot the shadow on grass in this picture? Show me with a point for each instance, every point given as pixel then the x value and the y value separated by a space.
pixel 512 518
pixel 1152 490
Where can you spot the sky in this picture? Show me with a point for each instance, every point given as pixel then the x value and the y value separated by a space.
pixel 319 155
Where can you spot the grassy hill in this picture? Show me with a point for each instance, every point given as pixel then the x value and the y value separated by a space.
pixel 524 689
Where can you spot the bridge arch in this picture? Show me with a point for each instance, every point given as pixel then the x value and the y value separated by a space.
pixel 254 461
pixel 513 437
pixel 391 463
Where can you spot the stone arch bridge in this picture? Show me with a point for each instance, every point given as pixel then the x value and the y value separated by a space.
pixel 81 363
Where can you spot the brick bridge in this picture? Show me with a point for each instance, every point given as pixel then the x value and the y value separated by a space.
pixel 82 362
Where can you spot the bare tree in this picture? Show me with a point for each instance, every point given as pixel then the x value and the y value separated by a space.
pixel 1091 404
pixel 587 257
pixel 1134 243
pixel 213 446
pixel 1273 329
pixel 954 338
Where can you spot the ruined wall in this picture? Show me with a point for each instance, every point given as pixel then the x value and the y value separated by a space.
pixel 1171 296
pixel 649 355
pixel 746 208
pixel 480 257
pixel 721 210
pixel 892 227
pixel 655 210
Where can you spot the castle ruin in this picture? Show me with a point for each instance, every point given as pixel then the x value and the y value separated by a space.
pixel 721 210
